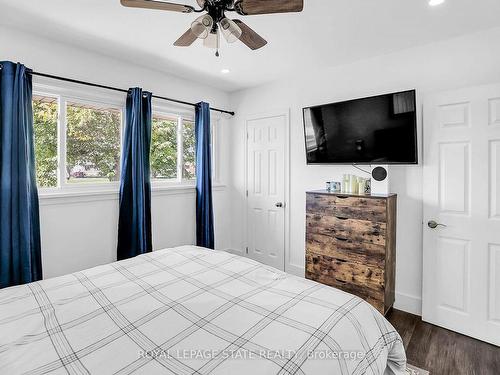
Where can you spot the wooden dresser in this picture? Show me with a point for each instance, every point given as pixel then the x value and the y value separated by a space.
pixel 351 244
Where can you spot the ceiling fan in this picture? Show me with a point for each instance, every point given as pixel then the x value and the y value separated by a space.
pixel 214 22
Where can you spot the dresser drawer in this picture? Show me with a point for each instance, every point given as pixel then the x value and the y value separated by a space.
pixel 371 209
pixel 352 251
pixel 358 274
pixel 344 229
pixel 373 297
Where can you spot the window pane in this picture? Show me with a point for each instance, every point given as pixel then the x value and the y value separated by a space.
pixel 163 148
pixel 45 132
pixel 188 149
pixel 92 144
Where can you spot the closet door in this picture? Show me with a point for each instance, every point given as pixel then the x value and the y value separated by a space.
pixel 266 137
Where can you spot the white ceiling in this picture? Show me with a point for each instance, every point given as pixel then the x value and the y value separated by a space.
pixel 327 33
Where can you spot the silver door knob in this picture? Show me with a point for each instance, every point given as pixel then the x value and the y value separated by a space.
pixel 434 224
pixel 279 204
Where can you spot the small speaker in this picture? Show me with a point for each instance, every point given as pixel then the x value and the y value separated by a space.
pixel 380 179
pixel 379 173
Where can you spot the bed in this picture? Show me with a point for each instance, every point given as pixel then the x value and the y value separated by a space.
pixel 190 310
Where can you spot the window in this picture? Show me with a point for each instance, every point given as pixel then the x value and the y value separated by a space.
pixel 188 151
pixel 45 114
pixel 172 148
pixel 163 156
pixel 92 144
pixel 78 139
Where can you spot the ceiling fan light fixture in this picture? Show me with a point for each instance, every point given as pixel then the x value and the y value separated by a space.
pixel 212 40
pixel 231 31
pixel 201 26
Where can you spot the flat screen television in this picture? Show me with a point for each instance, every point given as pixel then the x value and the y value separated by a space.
pixel 376 130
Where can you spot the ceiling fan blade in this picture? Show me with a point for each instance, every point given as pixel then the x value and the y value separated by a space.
pixel 158 5
pixel 251 7
pixel 186 39
pixel 249 37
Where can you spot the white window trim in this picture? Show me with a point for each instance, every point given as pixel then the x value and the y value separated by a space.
pixel 65 92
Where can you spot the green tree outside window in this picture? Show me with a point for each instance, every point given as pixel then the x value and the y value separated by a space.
pixel 163 156
pixel 45 112
pixel 188 150
pixel 92 144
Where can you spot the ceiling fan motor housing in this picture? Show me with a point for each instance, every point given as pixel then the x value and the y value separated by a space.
pixel 216 10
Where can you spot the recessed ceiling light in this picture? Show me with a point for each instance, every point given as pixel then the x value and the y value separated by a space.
pixel 225 71
pixel 434 3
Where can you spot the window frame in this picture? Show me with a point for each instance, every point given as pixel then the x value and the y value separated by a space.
pixel 68 93
pixel 62 182
pixel 162 111
pixel 37 93
pixel 65 92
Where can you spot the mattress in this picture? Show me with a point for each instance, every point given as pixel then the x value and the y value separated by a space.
pixel 190 310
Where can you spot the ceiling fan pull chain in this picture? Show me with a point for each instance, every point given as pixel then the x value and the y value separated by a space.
pixel 217 46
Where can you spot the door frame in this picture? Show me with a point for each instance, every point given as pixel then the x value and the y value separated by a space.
pixel 286 157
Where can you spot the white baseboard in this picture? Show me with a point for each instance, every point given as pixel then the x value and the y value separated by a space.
pixel 233 251
pixel 295 270
pixel 408 303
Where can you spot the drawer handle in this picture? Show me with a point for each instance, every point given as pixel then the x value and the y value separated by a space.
pixel 341 281
pixel 342 239
pixel 342 196
pixel 342 218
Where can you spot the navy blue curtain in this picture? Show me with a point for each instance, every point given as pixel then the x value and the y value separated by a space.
pixel 204 209
pixel 134 225
pixel 20 250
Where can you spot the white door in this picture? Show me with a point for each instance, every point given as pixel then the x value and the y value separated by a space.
pixel 266 147
pixel 461 270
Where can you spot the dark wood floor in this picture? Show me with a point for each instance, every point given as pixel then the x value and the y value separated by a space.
pixel 444 352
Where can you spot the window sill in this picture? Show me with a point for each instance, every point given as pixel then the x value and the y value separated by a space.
pixel 47 198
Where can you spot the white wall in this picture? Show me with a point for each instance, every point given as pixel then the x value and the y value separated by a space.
pixel 80 232
pixel 469 60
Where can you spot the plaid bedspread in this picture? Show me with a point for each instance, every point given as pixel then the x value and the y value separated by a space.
pixel 190 310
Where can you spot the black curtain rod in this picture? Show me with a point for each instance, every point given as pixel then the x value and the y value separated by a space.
pixel 121 90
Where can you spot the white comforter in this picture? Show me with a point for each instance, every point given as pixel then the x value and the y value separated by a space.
pixel 190 310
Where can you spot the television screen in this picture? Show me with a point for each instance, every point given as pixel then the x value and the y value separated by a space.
pixel 376 130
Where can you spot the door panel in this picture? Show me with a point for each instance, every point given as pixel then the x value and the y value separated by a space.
pixel 455 115
pixel 494 110
pixel 494 283
pixel 461 270
pixel 494 194
pixel 266 190
pixel 453 285
pixel 454 174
